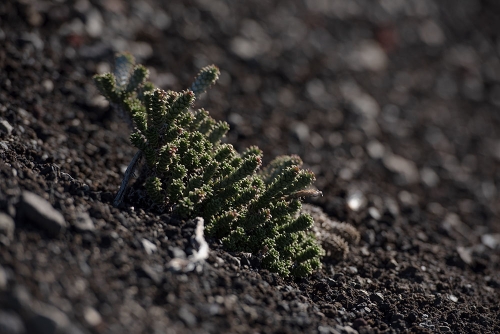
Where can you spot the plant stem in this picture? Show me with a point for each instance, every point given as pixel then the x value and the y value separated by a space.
pixel 128 173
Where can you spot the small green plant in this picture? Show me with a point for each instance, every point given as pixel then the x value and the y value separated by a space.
pixel 190 171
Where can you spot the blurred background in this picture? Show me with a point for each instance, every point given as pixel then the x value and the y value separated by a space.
pixel 394 104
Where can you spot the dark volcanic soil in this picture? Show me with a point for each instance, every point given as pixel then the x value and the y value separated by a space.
pixel 395 105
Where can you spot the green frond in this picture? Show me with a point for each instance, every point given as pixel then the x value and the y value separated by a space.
pixel 175 190
pixel 219 130
pixel 107 86
pixel 139 76
pixel 247 168
pixel 166 157
pixel 301 223
pixel 180 105
pixel 200 116
pixel 138 141
pixel 252 150
pixel 224 152
pixel 154 189
pixel 222 224
pixel 206 126
pixel 206 78
pixel 150 154
pixel 184 208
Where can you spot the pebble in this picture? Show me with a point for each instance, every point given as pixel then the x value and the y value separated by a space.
pixel 48 85
pixel 377 297
pixel 233 260
pixel 431 33
pixel 3 279
pixel 301 130
pixel 6 127
pixel 7 226
pixel 429 177
pixel 83 222
pixel 186 316
pixel 47 319
pixel 154 275
pixel 375 149
pixel 465 254
pixel 368 55
pixel 453 298
pixel 149 246
pixel 356 200
pixel 404 167
pixel 34 39
pixel 94 23
pixel 346 329
pixel 38 317
pixel 11 323
pixel 491 240
pixel 362 102
pixel 374 213
pixel 40 212
pixel 177 253
pixel 91 316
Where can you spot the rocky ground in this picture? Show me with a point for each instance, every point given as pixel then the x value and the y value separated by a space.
pixel 393 104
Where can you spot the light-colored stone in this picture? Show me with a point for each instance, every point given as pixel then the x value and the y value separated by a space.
pixel 7 226
pixel 40 212
pixel 6 127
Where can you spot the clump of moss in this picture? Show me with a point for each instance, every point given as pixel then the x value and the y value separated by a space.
pixel 190 171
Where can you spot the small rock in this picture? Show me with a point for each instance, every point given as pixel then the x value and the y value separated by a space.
pixel 91 316
pixel 465 255
pixel 7 226
pixel 491 240
pixel 368 55
pixel 360 322
pixel 154 275
pixel 405 168
pixel 10 323
pixel 186 316
pixel 95 23
pixel 346 329
pixel 431 33
pixel 233 260
pixel 39 211
pixel 3 280
pixel 48 85
pixel 177 253
pixel 327 330
pixel 377 297
pixel 301 130
pixel 356 200
pixel 361 102
pixel 84 222
pixel 149 246
pixel 374 213
pixel 34 39
pixel 453 298
pixel 429 177
pixel 47 319
pixel 6 127
pixel 375 149
pixel 392 264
